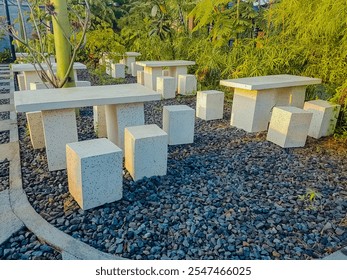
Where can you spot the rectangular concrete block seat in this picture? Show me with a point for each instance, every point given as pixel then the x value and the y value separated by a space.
pixel 210 105
pixel 324 117
pixel 178 123
pixel 187 84
pixel 166 86
pixel 118 70
pixel 141 77
pixel 145 149
pixel 289 126
pixel 94 170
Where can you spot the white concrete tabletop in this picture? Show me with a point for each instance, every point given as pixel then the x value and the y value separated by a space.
pixel 132 54
pixel 165 63
pixel 63 98
pixel 30 67
pixel 272 81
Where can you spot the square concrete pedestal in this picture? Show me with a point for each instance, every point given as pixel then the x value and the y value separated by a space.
pixel 145 151
pixel 178 123
pixel 210 105
pixel 187 84
pixel 166 86
pixel 94 170
pixel 289 127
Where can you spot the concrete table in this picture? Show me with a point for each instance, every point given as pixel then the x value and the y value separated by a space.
pixel 128 58
pixel 124 107
pixel 31 76
pixel 254 98
pixel 153 69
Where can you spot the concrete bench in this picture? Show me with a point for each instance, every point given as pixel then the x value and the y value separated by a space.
pixel 324 118
pixel 95 172
pixel 178 123
pixel 123 105
pixel 255 97
pixel 289 126
pixel 145 151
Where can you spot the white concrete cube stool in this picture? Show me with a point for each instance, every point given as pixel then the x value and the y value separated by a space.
pixel 324 118
pixel 99 120
pixel 187 84
pixel 118 70
pixel 145 149
pixel 35 127
pixel 178 123
pixel 95 172
pixel 141 77
pixel 166 86
pixel 210 105
pixel 135 68
pixel 289 126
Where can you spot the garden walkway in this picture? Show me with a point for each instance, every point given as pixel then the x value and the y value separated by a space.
pixel 16 213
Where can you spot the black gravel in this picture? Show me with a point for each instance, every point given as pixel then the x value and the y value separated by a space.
pixel 4 115
pixel 5 101
pixel 4 137
pixel 4 175
pixel 4 90
pixel 24 245
pixel 230 195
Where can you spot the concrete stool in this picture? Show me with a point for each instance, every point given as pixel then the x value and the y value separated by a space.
pixel 118 70
pixel 178 123
pixel 187 84
pixel 289 126
pixel 145 150
pixel 210 105
pixel 141 77
pixel 324 118
pixel 166 86
pixel 94 170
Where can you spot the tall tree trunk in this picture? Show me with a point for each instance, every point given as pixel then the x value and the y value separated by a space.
pixel 62 33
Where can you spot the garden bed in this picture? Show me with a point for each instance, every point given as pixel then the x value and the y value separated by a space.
pixel 230 195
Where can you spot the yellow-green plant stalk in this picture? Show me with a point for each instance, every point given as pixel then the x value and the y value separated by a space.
pixel 63 49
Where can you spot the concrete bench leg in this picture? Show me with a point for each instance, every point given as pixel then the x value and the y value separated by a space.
pixel 21 81
pixel 151 74
pixel 35 126
pixel 176 71
pixel 99 119
pixel 31 77
pixel 120 116
pixel 141 77
pixel 135 68
pixel 60 128
pixel 291 96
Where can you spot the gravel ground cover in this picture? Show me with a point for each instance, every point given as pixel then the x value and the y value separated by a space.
pixel 4 175
pixel 4 116
pixel 5 101
pixel 230 195
pixel 4 137
pixel 4 90
pixel 24 245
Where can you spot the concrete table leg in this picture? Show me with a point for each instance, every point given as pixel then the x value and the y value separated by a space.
pixel 31 77
pixel 151 74
pixel 176 71
pixel 60 128
pixel 291 96
pixel 120 116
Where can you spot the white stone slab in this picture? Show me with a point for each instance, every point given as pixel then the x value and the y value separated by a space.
pixel 51 99
pixel 40 85
pixel 31 67
pixel 94 170
pixel 99 119
pixel 178 123
pixel 272 81
pixel 165 63
pixel 37 137
pixel 145 151
pixel 324 118
pixel 210 105
pixel 289 127
pixel 118 117
pixel 166 86
pixel 60 128
pixel 187 84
